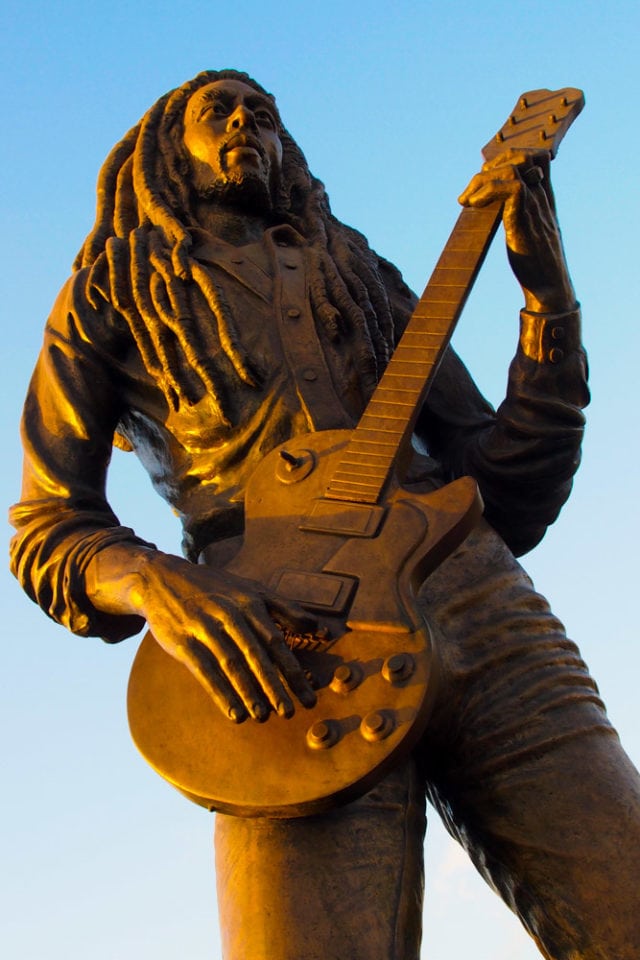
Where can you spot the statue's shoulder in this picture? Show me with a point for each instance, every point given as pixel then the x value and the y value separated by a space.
pixel 84 313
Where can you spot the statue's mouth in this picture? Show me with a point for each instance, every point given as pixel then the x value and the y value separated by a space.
pixel 241 141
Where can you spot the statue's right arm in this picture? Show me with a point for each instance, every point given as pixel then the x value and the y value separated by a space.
pixel 95 576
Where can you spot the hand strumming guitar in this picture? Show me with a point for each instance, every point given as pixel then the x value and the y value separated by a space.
pixel 222 628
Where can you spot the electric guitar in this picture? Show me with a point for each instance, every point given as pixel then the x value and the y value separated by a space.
pixel 329 525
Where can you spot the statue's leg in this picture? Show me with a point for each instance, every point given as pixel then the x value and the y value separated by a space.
pixel 523 764
pixel 346 885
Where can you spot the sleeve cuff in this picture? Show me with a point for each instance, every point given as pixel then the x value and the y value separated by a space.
pixel 550 337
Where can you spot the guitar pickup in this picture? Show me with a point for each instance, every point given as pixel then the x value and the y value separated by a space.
pixel 325 592
pixel 348 519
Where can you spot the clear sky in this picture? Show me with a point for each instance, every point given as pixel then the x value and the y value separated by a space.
pixel 391 105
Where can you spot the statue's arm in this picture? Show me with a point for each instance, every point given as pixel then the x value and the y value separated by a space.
pixel 95 576
pixel 524 455
pixel 63 518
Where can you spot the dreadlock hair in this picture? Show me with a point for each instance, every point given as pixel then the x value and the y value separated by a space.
pixel 145 209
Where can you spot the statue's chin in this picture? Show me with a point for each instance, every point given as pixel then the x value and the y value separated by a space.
pixel 248 193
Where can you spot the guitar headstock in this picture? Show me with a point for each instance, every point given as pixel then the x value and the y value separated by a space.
pixel 538 121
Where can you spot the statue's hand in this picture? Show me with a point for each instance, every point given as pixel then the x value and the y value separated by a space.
pixel 520 179
pixel 223 629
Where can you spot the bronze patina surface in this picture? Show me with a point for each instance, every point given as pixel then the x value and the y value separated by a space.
pixel 224 325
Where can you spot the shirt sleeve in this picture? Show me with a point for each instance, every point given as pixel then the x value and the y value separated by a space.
pixel 63 519
pixel 523 455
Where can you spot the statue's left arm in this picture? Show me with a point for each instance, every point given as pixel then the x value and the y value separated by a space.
pixel 524 455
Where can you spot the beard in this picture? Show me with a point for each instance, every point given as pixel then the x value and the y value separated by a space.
pixel 247 191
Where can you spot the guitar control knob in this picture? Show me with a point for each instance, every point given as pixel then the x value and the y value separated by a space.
pixel 398 667
pixel 345 678
pixel 322 735
pixel 376 726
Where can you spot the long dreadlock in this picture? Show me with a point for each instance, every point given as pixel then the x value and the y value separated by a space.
pixel 144 213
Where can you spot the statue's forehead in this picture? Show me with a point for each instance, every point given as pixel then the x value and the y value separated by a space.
pixel 230 87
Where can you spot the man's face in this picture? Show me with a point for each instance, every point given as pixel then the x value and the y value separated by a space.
pixel 231 134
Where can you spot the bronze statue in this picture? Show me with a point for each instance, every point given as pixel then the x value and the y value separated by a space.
pixel 218 310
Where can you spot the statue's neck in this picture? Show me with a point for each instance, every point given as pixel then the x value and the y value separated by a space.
pixel 238 227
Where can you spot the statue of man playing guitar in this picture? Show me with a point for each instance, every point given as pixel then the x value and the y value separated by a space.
pixel 217 311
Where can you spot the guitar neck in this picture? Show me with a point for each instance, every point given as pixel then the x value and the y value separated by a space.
pixel 384 432
pixel 382 439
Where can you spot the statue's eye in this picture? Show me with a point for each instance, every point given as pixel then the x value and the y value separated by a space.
pixel 265 119
pixel 215 107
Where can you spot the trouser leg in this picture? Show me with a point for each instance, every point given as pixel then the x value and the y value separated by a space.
pixel 559 838
pixel 523 765
pixel 346 885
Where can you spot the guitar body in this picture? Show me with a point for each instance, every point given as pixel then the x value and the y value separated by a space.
pixel 356 567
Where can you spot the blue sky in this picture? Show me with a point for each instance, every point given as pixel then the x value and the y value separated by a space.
pixel 101 858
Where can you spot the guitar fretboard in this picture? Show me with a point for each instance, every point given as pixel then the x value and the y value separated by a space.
pixel 389 419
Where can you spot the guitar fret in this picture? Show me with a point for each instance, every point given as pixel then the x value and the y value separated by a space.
pixel 468 241
pixel 435 310
pixel 430 351
pixel 395 390
pixel 408 368
pixel 452 276
pixel 446 293
pixel 457 260
pixel 347 482
pixel 359 437
pixel 434 327
pixel 418 364
pixel 434 323
pixel 378 405
pixel 374 468
pixel 369 479
pixel 348 485
pixel 420 342
pixel 378 426
pixel 379 414
pixel 351 465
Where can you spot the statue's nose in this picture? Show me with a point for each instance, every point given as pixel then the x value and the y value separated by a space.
pixel 241 117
